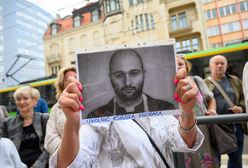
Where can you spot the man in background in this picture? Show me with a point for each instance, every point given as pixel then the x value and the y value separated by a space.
pixel 233 88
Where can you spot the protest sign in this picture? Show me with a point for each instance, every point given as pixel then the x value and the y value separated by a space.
pixel 126 82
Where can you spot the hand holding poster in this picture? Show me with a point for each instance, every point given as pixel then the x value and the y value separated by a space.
pixel 127 83
pixel 130 83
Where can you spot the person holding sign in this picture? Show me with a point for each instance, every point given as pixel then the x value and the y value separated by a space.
pixel 144 142
pixel 127 77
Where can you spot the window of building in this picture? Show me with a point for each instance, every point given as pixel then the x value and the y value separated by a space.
pixel 178 46
pixel 182 20
pixel 135 2
pixel 190 44
pixel 185 45
pixel 95 15
pixel 112 6
pixel 228 43
pixel 54 29
pixel 245 24
pixel 174 22
pixel 77 21
pixel 210 14
pixel 55 69
pixel 243 6
pixel 230 27
pixel 152 21
pixel 179 21
pixel 195 43
pixel 213 31
pixel 216 45
pixel 143 22
pixel 228 10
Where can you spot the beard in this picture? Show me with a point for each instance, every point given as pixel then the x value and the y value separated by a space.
pixel 129 93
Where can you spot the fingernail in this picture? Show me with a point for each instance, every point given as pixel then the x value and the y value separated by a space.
pixel 178 100
pixel 176 81
pixel 80 88
pixel 81 107
pixel 176 96
pixel 81 98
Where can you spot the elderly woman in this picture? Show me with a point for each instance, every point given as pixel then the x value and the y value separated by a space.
pixel 27 130
pixel 57 118
pixel 206 105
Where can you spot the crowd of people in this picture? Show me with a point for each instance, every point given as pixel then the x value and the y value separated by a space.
pixel 34 138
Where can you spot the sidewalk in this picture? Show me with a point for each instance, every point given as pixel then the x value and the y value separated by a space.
pixel 224 159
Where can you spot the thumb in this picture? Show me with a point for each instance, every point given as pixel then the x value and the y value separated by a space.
pixel 181 74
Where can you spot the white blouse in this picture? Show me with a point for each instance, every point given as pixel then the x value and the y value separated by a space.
pixel 9 157
pixel 123 144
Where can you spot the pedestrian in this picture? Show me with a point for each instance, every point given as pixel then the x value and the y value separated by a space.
pixel 232 86
pixel 27 130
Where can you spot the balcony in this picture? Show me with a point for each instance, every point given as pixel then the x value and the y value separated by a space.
pixel 180 27
pixel 53 58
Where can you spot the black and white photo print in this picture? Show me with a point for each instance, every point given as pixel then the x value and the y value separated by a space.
pixel 127 83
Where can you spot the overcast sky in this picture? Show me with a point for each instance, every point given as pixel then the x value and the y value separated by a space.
pixel 62 7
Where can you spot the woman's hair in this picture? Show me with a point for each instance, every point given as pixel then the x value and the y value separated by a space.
pixel 59 84
pixel 187 63
pixel 33 92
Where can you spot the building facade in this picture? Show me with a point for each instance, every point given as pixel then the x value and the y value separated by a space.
pixel 113 22
pixel 22 26
pixel 226 21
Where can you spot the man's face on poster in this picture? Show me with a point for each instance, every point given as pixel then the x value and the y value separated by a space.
pixel 127 75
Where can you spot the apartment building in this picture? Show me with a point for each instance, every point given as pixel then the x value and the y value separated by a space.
pixel 226 21
pixel 186 25
pixel 113 22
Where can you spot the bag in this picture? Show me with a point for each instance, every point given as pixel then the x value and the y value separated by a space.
pixel 223 138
